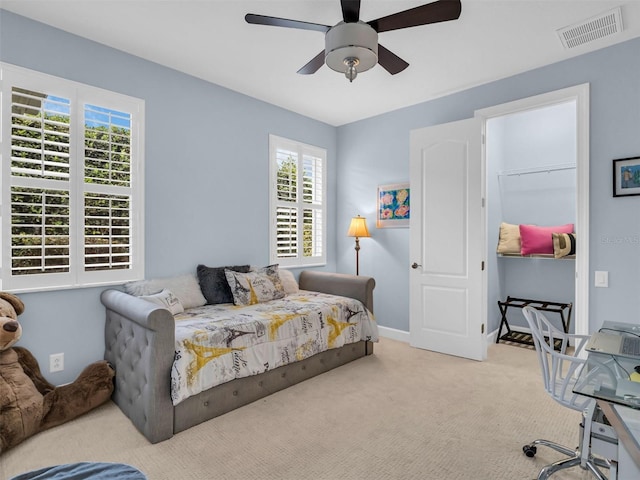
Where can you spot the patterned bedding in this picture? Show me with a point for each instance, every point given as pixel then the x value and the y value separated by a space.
pixel 219 343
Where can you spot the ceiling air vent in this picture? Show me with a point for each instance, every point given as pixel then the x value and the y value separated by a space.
pixel 600 26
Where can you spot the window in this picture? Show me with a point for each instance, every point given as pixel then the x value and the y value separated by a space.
pixel 72 183
pixel 297 175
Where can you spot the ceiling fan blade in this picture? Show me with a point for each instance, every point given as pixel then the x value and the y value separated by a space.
pixel 440 11
pixel 350 10
pixel 284 22
pixel 390 61
pixel 313 65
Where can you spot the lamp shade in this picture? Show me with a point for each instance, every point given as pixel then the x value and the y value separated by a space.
pixel 358 227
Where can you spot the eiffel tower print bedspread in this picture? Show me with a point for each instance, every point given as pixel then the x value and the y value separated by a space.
pixel 219 343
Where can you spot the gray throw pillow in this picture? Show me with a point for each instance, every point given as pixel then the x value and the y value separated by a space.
pixel 214 285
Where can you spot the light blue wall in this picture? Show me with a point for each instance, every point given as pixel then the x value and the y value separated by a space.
pixel 376 151
pixel 206 177
pixel 535 139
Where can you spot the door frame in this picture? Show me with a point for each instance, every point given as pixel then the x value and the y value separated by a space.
pixel 579 94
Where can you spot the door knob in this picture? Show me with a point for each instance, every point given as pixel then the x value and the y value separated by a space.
pixel 414 265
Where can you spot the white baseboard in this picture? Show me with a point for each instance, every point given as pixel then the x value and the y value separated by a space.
pixel 402 336
pixel 491 337
pixel 393 334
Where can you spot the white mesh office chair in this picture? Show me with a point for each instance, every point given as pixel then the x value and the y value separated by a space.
pixel 559 372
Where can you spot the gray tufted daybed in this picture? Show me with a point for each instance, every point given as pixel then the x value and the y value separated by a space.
pixel 140 343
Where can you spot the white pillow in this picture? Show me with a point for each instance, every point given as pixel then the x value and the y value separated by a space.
pixel 167 300
pixel 185 287
pixel 288 281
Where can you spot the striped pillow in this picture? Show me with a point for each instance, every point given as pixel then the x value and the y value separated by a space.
pixel 564 244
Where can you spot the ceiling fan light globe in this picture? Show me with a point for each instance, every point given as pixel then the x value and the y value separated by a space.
pixel 351 40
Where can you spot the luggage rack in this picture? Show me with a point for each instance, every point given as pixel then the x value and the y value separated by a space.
pixel 526 338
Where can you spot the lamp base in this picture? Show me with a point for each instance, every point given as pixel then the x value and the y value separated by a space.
pixel 357 256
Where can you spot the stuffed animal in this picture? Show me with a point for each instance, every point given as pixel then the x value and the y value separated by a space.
pixel 28 402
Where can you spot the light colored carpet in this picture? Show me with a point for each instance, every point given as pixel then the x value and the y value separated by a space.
pixel 402 413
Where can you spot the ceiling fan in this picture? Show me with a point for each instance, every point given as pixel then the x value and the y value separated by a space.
pixel 351 46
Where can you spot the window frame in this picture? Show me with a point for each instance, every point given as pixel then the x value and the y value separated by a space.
pixel 277 143
pixel 79 95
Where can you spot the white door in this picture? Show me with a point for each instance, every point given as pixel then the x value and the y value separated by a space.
pixel 447 312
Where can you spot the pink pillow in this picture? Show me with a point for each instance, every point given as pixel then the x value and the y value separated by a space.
pixel 536 239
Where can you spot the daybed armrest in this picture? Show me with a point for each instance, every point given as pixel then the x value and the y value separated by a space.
pixel 140 344
pixel 358 287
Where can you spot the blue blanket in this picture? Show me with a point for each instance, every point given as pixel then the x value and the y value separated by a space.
pixel 84 471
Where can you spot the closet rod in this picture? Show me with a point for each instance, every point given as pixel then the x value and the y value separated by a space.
pixel 545 169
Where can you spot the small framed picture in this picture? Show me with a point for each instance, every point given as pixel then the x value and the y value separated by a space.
pixel 394 202
pixel 626 177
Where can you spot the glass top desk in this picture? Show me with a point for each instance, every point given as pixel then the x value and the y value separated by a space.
pixel 605 377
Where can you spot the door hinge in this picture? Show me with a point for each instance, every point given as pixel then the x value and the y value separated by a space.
pixel 482 328
pixel 482 266
pixel 483 203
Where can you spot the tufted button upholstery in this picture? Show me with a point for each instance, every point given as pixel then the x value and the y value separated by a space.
pixel 141 352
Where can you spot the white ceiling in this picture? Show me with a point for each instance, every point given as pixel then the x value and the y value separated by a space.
pixel 210 39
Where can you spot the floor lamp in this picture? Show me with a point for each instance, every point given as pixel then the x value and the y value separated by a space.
pixel 358 229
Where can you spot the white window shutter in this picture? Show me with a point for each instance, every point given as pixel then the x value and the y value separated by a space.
pixel 72 194
pixel 298 210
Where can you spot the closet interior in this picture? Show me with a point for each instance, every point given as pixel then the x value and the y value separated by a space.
pixel 531 193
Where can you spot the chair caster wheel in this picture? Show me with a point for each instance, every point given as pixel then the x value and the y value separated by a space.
pixel 529 450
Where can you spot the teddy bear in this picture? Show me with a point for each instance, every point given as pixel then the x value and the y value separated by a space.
pixel 28 402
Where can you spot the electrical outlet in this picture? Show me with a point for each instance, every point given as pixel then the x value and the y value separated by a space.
pixel 56 362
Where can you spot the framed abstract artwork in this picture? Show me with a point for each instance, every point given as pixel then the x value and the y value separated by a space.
pixel 626 176
pixel 394 205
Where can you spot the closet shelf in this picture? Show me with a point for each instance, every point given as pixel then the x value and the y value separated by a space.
pixel 536 255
